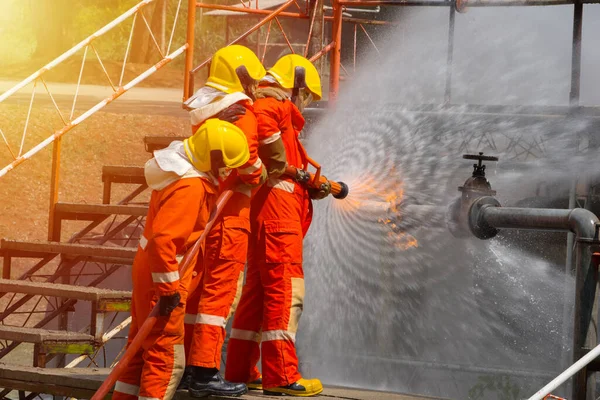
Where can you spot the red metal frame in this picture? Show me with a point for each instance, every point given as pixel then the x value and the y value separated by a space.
pixel 337 19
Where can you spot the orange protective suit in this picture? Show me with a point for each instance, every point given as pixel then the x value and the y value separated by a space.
pixel 176 217
pixel 220 283
pixel 273 296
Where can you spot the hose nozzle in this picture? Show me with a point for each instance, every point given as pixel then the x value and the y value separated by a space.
pixel 339 190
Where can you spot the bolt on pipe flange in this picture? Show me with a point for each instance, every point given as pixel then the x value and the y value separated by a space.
pixel 478 225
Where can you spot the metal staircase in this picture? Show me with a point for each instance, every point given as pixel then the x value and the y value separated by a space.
pixel 37 306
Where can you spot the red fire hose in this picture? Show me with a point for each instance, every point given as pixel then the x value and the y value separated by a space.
pixel 148 324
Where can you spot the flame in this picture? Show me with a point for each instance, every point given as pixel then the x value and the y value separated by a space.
pixel 381 197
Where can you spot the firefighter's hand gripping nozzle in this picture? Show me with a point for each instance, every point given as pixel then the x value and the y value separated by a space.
pixel 339 190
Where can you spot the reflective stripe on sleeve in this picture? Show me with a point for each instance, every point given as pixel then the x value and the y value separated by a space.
pixel 165 277
pixel 273 138
pixel 143 242
pixel 244 190
pixel 281 184
pixel 253 168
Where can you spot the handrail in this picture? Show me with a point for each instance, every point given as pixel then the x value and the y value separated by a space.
pixel 73 50
pixel 568 373
pixel 118 90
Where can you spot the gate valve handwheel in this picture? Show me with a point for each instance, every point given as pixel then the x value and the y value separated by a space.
pixel 479 169
pixel 477 183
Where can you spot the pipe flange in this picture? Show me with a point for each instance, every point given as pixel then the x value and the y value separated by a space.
pixel 455 221
pixel 479 227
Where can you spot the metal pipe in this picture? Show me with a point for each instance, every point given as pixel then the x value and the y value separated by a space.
pixel 250 10
pixel 364 21
pixel 258 25
pixel 374 10
pixel 288 14
pixel 578 220
pixel 450 55
pixel 581 317
pixel 568 274
pixel 335 61
pixel 284 35
pixel 576 54
pixel 323 51
pixel 468 3
pixel 54 184
pixel 189 53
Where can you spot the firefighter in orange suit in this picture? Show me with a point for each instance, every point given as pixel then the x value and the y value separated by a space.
pixel 228 94
pixel 281 211
pixel 183 179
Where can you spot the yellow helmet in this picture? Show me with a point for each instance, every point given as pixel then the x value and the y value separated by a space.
pixel 217 144
pixel 286 72
pixel 233 68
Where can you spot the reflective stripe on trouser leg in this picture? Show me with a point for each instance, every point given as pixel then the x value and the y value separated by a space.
pixel 219 293
pixel 126 391
pixel 191 306
pixel 191 311
pixel 128 385
pixel 164 362
pixel 282 313
pixel 243 351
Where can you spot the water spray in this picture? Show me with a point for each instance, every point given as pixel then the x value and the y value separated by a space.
pixel 477 212
pixel 339 190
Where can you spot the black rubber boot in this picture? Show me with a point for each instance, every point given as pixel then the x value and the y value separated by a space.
pixel 184 383
pixel 208 382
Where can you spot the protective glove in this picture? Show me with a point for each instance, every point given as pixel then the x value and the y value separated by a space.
pixel 167 304
pixel 232 113
pixel 318 194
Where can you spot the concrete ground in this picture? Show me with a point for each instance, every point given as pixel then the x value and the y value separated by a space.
pixel 328 394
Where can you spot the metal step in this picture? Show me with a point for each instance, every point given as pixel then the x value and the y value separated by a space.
pixel 160 142
pixel 48 342
pixel 91 212
pixel 123 174
pixel 39 336
pixel 79 383
pixel 84 293
pixel 116 255
pixel 82 383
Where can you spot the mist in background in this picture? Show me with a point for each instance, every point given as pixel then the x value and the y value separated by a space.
pixel 401 305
